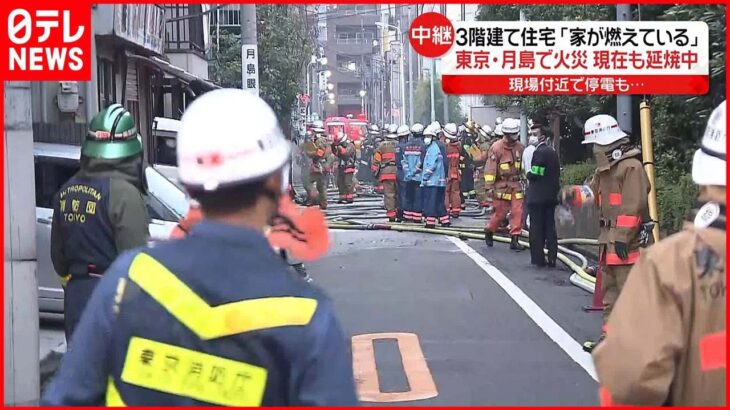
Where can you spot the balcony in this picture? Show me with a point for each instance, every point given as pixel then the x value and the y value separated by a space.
pixel 140 24
pixel 184 34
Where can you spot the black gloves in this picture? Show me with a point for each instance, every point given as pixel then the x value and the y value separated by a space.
pixel 622 250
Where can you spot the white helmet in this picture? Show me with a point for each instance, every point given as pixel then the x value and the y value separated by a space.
pixel 498 121
pixel 498 130
pixel 392 132
pixel 213 150
pixel 417 128
pixel 341 137
pixel 374 129
pixel 430 131
pixel 403 131
pixel 487 129
pixel 709 164
pixel 318 126
pixel 510 126
pixel 602 130
pixel 451 131
pixel 436 126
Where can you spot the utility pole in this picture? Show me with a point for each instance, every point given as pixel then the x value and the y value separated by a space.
pixel 22 374
pixel 410 71
pixel 446 97
pixel 523 117
pixel 433 101
pixel 249 49
pixel 623 102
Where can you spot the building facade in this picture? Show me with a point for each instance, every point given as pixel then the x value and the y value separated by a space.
pixel 148 57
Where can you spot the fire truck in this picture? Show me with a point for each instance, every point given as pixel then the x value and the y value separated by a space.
pixel 355 128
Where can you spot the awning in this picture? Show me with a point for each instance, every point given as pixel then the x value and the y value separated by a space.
pixel 198 85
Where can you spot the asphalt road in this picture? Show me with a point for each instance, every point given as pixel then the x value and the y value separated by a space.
pixel 439 321
pixel 479 344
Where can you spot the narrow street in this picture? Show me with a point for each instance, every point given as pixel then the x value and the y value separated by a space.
pixel 490 326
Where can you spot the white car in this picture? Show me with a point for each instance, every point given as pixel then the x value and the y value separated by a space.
pixel 57 163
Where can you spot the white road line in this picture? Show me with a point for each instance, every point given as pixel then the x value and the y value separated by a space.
pixel 569 345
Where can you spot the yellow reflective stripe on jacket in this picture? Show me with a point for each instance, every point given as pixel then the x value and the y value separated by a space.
pixel 213 322
pixel 489 177
pixel 113 399
pixel 188 373
pixel 502 196
pixel 504 166
pixel 519 195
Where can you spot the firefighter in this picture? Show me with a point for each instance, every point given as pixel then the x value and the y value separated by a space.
pixel 316 150
pixel 503 178
pixel 453 170
pixel 480 160
pixel 218 306
pixel 385 169
pixel 469 136
pixel 665 341
pixel 346 153
pixel 99 212
pixel 411 163
pixel 403 132
pixel 433 180
pixel 621 187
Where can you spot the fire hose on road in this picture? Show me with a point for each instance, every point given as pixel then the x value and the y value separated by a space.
pixel 579 277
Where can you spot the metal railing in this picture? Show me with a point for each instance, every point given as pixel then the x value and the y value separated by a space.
pixel 184 34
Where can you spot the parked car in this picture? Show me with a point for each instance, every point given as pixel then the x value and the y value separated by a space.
pixel 57 163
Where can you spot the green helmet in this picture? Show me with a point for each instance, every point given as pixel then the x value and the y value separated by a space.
pixel 112 135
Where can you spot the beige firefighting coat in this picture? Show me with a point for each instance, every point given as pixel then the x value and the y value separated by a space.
pixel 665 339
pixel 316 150
pixel 384 165
pixel 502 172
pixel 621 194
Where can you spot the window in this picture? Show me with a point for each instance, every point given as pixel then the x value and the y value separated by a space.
pixel 52 172
pixel 106 84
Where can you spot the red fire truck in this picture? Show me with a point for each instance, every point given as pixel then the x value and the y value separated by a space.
pixel 355 128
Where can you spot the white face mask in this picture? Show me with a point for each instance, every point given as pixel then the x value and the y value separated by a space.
pixel 427 140
pixel 533 140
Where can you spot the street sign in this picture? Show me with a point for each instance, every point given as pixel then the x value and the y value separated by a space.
pixel 250 68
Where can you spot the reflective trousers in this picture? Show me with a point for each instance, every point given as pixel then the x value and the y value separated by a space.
pixel 434 207
pixel 390 195
pixel 501 207
pixel 413 201
pixel 453 197
pixel 344 184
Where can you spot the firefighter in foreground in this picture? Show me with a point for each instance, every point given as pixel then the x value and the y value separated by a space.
pixel 412 159
pixel 620 187
pixel 433 180
pixel 99 212
pixel 214 318
pixel 384 168
pixel 453 170
pixel 316 150
pixel 503 179
pixel 347 165
pixel 479 153
pixel 666 339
